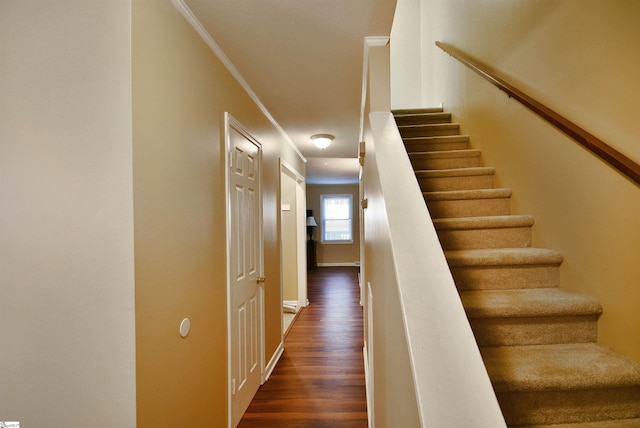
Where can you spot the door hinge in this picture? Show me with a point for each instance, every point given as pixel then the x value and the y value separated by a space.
pixel 233 387
pixel 230 159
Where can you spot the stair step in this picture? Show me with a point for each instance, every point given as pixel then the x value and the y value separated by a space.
pixel 564 383
pixel 417 110
pixel 420 118
pixel 491 221
pixel 468 203
pixel 455 179
pixel 537 341
pixel 505 268
pixel 447 142
pixel 531 316
pixel 449 159
pixel 429 130
pixel 543 302
pixel 499 231
pixel 503 257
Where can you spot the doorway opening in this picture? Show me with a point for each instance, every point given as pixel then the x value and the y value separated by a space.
pixel 292 243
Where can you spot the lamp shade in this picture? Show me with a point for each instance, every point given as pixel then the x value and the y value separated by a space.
pixel 311 221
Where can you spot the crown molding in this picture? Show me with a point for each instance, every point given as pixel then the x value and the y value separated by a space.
pixel 217 51
pixel 373 41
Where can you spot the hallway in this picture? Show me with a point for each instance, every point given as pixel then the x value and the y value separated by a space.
pixel 319 380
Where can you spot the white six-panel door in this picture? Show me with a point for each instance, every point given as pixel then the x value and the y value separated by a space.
pixel 245 268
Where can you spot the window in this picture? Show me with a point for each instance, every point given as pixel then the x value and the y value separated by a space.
pixel 336 218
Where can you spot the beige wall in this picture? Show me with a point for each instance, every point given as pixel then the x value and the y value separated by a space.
pixel 406 57
pixel 336 254
pixel 67 338
pixel 180 93
pixel 581 58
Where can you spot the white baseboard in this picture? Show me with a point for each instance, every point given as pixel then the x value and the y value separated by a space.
pixel 272 363
pixel 299 305
pixel 368 387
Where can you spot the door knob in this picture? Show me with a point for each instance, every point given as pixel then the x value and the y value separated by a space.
pixel 260 279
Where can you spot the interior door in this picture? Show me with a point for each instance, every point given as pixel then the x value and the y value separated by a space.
pixel 245 304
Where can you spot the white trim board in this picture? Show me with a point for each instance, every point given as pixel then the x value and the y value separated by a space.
pixel 273 362
pixel 217 51
pixel 369 358
pixel 369 42
pixel 368 382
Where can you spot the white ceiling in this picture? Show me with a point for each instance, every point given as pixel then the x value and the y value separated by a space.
pixel 332 170
pixel 303 59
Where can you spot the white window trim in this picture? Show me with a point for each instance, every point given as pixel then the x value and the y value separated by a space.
pixel 322 220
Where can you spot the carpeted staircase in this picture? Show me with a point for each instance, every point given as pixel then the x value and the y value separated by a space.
pixel 538 341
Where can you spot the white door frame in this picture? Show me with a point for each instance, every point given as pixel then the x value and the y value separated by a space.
pixel 301 229
pixel 230 122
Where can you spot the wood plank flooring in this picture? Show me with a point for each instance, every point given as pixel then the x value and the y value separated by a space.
pixel 319 380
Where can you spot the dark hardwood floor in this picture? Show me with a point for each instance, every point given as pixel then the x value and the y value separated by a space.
pixel 319 380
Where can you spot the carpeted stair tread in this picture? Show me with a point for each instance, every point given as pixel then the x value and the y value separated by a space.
pixel 445 154
pixel 492 230
pixel 445 159
pixel 427 128
pixel 503 257
pixel 468 203
pixel 404 111
pixel 617 423
pixel 456 172
pixel 436 139
pixel 436 143
pixel 572 366
pixel 415 118
pixel 483 222
pixel 538 302
pixel 457 195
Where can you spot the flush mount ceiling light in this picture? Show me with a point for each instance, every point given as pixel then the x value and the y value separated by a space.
pixel 322 141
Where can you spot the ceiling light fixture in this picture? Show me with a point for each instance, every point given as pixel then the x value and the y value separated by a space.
pixel 322 141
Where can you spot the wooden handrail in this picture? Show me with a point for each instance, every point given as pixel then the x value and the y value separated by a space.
pixel 610 155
